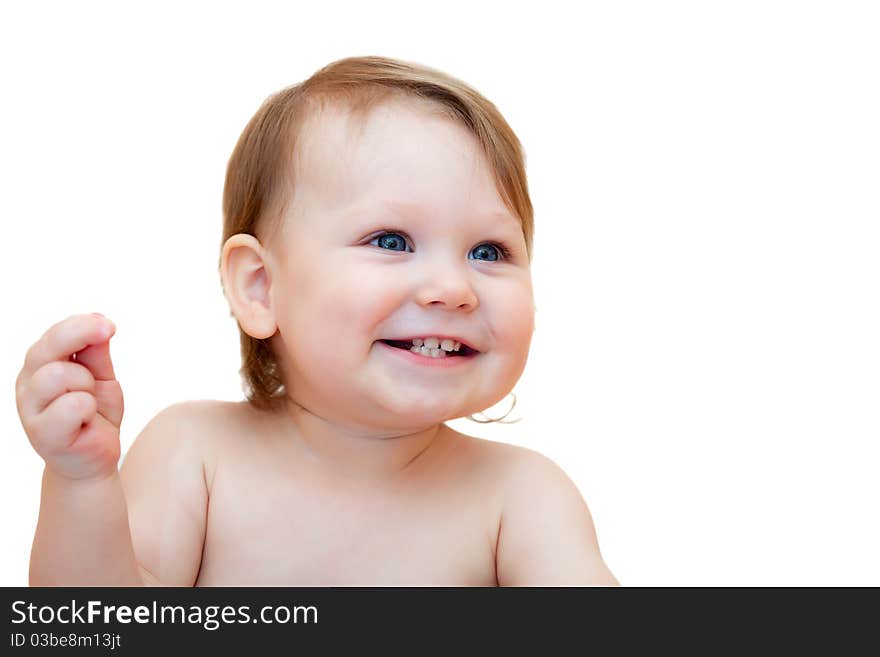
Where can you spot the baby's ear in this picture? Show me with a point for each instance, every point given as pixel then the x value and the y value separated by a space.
pixel 246 285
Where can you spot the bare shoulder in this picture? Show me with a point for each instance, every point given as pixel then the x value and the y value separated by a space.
pixel 170 431
pixel 189 415
pixel 172 442
pixel 166 479
pixel 510 465
pixel 189 434
pixel 497 471
pixel 491 462
pixel 205 414
pixel 546 535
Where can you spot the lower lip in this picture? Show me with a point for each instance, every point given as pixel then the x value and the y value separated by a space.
pixel 428 361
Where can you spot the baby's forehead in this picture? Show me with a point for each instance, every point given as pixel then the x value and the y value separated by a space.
pixel 394 146
pixel 324 149
pixel 336 134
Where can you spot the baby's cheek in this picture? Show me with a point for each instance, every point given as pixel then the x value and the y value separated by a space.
pixel 347 314
pixel 364 299
pixel 515 316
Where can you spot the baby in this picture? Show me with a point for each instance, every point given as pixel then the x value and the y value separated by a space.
pixel 376 255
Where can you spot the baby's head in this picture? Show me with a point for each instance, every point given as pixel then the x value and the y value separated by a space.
pixel 378 200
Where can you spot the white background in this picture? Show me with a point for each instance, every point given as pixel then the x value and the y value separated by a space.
pixel 706 180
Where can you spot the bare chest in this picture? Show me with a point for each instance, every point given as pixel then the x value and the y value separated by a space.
pixel 276 531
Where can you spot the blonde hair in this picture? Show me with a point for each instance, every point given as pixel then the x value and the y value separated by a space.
pixel 260 175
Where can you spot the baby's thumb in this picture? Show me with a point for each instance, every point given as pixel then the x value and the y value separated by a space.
pixel 96 357
pixel 108 393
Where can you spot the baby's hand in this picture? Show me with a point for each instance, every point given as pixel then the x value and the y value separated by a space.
pixel 68 399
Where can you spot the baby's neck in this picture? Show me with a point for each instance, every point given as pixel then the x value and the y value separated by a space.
pixel 355 453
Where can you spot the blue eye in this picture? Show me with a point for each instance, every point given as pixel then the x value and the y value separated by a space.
pixel 497 251
pixel 493 251
pixel 392 239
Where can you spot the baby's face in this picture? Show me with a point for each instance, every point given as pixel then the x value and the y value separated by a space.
pixel 339 287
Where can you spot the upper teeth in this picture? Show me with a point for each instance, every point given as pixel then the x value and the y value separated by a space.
pixel 434 343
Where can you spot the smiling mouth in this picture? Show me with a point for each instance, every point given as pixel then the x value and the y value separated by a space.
pixel 407 346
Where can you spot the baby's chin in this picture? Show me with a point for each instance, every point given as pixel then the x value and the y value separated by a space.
pixel 418 414
pixel 421 411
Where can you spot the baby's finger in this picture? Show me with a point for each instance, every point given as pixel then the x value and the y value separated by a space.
pixel 58 426
pixel 111 406
pixel 96 357
pixel 66 338
pixel 53 380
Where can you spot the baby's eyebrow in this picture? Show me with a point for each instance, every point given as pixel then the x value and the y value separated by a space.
pixel 406 209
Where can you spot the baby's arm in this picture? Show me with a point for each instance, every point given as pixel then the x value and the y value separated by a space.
pixel 71 411
pixel 142 526
pixel 163 477
pixel 546 536
pixel 71 407
pixel 82 536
